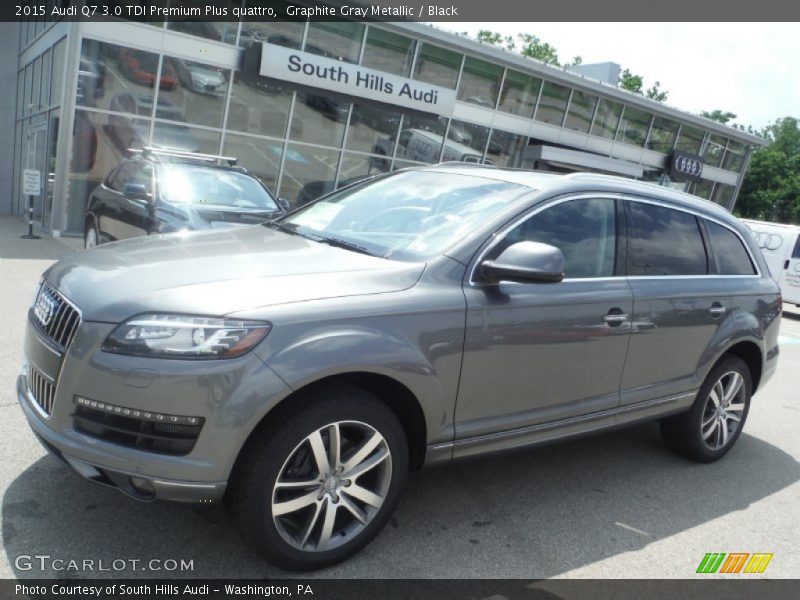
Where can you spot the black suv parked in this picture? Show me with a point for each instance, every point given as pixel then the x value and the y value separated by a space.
pixel 161 191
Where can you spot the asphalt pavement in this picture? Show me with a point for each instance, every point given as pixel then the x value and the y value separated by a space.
pixel 616 505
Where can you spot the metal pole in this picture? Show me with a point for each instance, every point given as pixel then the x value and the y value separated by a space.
pixel 30 235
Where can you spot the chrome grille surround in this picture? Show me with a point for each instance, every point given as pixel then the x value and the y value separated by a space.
pixel 55 316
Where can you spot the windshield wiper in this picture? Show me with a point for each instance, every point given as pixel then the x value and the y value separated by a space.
pixel 337 243
pixel 286 229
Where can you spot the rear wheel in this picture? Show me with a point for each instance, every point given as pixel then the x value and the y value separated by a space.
pixel 322 480
pixel 711 427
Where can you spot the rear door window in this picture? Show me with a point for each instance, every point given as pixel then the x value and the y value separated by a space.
pixel 664 241
pixel 732 256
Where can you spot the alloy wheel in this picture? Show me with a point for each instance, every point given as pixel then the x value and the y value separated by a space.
pixel 331 486
pixel 723 412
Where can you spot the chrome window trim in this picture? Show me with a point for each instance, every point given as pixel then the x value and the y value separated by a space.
pixel 699 214
pixel 500 234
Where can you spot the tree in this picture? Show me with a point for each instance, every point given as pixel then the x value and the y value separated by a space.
pixel 533 47
pixel 718 115
pixel 629 81
pixel 496 39
pixel 654 92
pixel 771 187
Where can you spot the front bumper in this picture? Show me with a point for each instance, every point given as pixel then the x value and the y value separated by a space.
pixel 92 463
pixel 231 396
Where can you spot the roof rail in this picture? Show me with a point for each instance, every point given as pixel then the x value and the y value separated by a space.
pixel 155 152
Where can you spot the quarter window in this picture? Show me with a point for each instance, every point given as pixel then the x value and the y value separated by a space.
pixel 732 257
pixel 796 251
pixel 664 241
pixel 584 229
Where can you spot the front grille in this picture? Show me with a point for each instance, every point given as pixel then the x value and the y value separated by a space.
pixel 42 389
pixel 55 316
pixel 142 434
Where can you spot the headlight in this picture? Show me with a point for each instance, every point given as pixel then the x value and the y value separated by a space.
pixel 185 336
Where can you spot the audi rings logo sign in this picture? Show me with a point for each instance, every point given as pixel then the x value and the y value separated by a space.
pixel 767 241
pixel 44 308
pixel 684 166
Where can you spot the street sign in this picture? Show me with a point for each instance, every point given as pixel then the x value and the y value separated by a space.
pixel 31 182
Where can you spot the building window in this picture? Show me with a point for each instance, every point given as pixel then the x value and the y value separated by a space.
pixel 191 91
pixel 437 66
pixel 421 138
pixel 702 188
pixel 722 194
pixel 662 135
pixel 259 105
pixel 734 157
pixel 505 149
pixel 553 103
pixel 260 157
pixel 606 119
pixel 519 94
pixel 480 82
pixel 690 139
pixel 57 82
pixel 222 31
pixel 358 166
pixel 465 142
pixel 188 139
pixel 715 148
pixel 284 33
pixel 388 52
pixel 634 126
pixel 308 173
pixel 319 118
pixel 341 41
pixel 373 127
pixel 581 111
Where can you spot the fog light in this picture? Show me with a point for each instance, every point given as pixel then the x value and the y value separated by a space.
pixel 143 486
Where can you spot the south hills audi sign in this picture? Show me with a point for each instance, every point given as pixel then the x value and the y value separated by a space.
pixel 326 73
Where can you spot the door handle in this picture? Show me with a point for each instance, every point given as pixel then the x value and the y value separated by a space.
pixel 717 310
pixel 615 319
pixel 786 264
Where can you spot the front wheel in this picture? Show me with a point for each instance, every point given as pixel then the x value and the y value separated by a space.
pixel 321 481
pixel 715 421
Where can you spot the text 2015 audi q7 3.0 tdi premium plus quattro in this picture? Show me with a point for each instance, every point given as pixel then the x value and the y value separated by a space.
pixel 303 366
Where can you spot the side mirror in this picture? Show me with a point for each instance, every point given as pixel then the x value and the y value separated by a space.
pixel 284 204
pixel 135 191
pixel 526 262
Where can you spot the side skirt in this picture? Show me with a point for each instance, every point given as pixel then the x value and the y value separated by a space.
pixel 556 430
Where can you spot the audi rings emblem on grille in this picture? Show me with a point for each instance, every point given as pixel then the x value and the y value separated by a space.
pixel 45 308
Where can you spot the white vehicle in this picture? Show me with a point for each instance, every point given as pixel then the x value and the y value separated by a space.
pixel 780 245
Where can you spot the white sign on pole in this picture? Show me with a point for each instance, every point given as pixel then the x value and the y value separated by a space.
pixel 346 78
pixel 31 182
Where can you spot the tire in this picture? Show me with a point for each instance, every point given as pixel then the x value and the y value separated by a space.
pixel 91 237
pixel 705 434
pixel 288 523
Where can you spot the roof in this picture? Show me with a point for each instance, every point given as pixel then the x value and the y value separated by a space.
pixel 574 182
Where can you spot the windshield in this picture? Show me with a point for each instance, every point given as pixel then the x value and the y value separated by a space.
pixel 201 185
pixel 411 215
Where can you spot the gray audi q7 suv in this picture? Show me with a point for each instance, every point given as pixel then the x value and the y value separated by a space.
pixel 301 367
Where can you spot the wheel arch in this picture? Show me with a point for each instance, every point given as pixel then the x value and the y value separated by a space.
pixel 391 392
pixel 751 354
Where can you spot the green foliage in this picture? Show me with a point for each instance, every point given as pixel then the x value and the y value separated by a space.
pixel 629 81
pixel 654 92
pixel 718 115
pixel 533 47
pixel 771 188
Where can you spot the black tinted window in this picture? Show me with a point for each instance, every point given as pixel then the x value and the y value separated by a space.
pixel 584 230
pixel 796 251
pixel 143 174
pixel 663 241
pixel 731 254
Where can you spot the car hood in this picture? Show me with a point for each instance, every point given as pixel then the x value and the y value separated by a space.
pixel 208 216
pixel 219 272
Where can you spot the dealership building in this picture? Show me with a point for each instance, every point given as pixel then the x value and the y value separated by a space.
pixel 311 106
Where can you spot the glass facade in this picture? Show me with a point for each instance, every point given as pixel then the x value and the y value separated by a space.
pixel 302 141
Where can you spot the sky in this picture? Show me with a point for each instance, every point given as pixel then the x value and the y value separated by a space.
pixel 750 69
